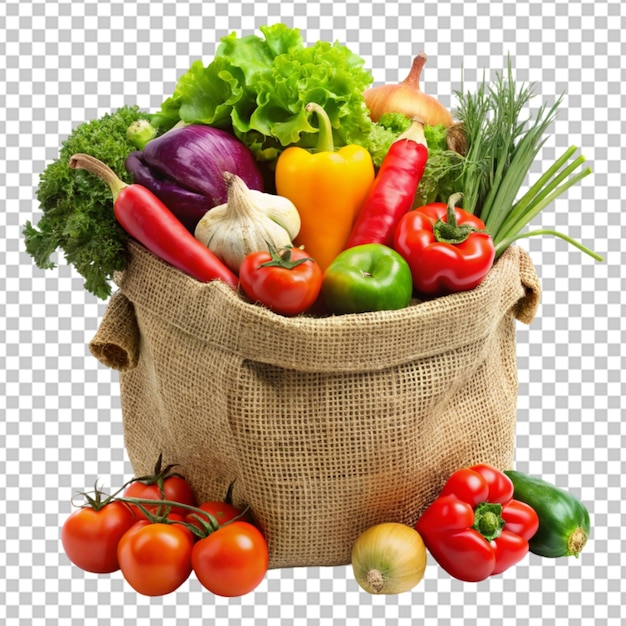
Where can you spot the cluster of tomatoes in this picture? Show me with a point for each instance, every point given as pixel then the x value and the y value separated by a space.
pixel 156 535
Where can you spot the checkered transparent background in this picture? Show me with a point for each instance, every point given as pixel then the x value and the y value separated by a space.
pixel 65 62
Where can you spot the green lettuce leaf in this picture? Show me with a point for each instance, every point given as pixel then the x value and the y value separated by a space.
pixel 443 168
pixel 258 88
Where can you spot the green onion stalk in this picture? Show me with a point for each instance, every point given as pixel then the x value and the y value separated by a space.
pixel 501 151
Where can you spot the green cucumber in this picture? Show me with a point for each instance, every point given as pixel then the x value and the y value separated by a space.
pixel 563 520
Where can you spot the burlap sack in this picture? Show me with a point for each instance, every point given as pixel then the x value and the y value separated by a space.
pixel 325 425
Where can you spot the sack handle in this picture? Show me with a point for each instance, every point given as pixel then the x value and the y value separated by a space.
pixel 116 343
pixel 526 307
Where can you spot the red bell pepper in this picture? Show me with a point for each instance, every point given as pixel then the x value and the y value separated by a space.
pixel 475 529
pixel 447 249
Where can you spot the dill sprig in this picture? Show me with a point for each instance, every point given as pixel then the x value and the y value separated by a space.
pixel 501 149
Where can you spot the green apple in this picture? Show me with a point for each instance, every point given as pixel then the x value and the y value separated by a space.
pixel 369 277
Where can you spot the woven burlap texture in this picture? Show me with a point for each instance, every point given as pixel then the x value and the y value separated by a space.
pixel 326 425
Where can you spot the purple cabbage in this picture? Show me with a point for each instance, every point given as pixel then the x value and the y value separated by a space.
pixel 184 167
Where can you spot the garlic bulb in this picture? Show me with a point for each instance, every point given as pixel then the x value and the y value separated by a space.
pixel 249 221
pixel 407 98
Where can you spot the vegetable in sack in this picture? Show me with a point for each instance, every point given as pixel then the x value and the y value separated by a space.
pixel 184 168
pixel 440 178
pixel 287 281
pixel 564 524
pixel 249 221
pixel 396 123
pixel 369 277
pixel 145 218
pixel 77 215
pixel 257 87
pixel 140 132
pixel 382 134
pixel 406 97
pixel 443 166
pixel 327 186
pixel 501 148
pixel 393 192
pixel 475 529
pixel 447 249
pixel 388 558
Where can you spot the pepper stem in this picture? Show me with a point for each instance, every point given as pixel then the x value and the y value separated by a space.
pixel 415 132
pixel 325 137
pixel 452 200
pixel 99 169
pixel 451 231
pixel 488 520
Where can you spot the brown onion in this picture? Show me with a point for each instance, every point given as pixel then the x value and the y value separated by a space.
pixel 407 98
pixel 388 558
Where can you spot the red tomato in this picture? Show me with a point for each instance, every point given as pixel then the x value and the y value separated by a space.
pixel 221 511
pixel 155 559
pixel 231 561
pixel 175 489
pixel 90 537
pixel 287 281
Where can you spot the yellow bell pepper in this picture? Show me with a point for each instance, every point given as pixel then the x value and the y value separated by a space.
pixel 327 187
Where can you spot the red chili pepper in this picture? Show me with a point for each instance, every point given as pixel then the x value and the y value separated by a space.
pixel 393 192
pixel 447 249
pixel 145 218
pixel 475 529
